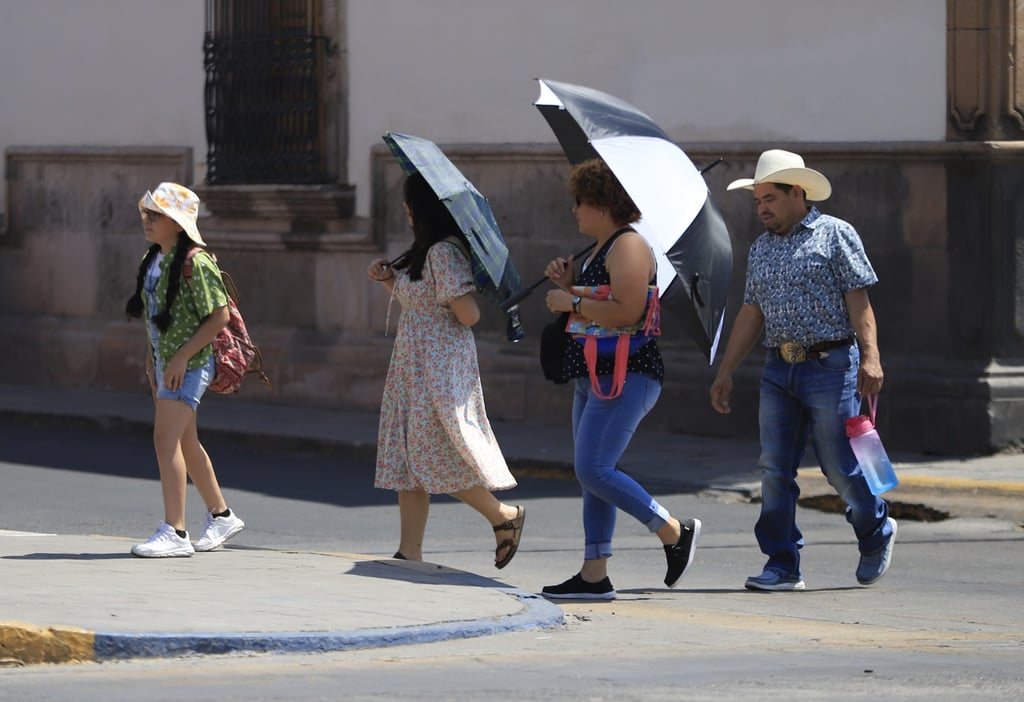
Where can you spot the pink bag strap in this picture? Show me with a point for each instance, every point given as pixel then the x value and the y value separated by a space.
pixel 873 406
pixel 618 375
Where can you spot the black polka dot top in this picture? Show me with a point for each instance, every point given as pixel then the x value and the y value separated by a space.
pixel 647 359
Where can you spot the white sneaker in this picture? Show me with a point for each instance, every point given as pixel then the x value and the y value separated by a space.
pixel 217 530
pixel 165 543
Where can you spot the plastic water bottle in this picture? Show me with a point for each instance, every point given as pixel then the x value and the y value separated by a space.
pixel 867 447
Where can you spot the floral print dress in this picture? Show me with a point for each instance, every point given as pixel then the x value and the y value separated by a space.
pixel 434 432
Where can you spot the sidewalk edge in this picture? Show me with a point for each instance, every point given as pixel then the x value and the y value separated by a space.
pixel 30 644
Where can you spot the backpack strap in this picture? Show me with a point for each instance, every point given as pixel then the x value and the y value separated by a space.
pixel 186 272
pixel 186 269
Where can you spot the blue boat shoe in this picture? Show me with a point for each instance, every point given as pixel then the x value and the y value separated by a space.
pixel 773 580
pixel 873 565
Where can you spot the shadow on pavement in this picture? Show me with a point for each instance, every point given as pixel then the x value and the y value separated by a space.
pixel 68 557
pixel 314 473
pixel 420 573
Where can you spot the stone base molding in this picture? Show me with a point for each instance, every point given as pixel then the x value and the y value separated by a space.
pixel 940 223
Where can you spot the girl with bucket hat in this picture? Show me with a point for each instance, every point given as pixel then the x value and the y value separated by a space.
pixel 183 316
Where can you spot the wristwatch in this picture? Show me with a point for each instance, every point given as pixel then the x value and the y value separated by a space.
pixel 576 299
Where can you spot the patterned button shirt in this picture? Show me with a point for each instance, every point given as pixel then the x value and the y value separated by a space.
pixel 799 280
pixel 196 300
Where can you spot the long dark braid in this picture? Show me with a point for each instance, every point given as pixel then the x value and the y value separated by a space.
pixel 163 318
pixel 133 308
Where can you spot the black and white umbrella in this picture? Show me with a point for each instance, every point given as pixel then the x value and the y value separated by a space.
pixel 682 224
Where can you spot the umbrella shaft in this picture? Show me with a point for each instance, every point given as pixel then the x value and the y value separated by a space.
pixel 518 297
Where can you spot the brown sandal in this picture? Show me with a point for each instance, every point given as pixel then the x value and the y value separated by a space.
pixel 512 544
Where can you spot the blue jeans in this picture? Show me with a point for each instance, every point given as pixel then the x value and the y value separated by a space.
pixel 602 429
pixel 812 398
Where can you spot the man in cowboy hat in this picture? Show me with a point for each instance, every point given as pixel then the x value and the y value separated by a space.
pixel 806 289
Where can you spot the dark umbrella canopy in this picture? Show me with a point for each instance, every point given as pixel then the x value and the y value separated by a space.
pixel 680 221
pixel 579 115
pixel 493 272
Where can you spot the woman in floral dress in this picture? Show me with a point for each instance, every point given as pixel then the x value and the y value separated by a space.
pixel 434 433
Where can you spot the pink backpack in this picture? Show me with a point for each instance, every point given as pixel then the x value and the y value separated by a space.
pixel 234 354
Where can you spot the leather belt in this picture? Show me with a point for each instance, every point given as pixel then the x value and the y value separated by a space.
pixel 791 352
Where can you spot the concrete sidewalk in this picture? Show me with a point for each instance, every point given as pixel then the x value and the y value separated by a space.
pixel 307 602
pixel 84 598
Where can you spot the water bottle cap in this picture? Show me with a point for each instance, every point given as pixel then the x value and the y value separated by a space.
pixel 856 426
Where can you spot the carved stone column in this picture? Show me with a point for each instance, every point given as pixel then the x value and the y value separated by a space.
pixel 335 89
pixel 985 87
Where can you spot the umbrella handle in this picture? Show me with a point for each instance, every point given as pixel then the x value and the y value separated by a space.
pixel 514 330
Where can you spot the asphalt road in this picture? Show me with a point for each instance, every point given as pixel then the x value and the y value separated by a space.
pixel 945 624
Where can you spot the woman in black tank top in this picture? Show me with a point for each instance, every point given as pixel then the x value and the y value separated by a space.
pixel 602 428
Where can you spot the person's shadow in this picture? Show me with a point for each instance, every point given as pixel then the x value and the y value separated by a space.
pixel 68 556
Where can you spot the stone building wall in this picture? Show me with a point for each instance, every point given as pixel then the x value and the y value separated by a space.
pixel 939 222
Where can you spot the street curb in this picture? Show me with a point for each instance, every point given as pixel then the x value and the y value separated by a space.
pixel 936 484
pixel 27 644
pixel 538 613
pixel 994 488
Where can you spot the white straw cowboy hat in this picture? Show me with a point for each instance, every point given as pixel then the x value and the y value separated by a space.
pixel 778 166
pixel 177 202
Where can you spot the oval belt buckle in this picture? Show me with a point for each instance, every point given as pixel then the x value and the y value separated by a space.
pixel 792 352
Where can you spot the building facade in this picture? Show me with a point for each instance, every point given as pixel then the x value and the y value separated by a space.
pixel 273 111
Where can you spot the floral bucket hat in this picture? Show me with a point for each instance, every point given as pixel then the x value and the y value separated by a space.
pixel 177 202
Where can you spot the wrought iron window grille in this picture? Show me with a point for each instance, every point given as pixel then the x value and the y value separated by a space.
pixel 264 64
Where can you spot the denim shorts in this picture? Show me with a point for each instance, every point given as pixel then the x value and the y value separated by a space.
pixel 192 387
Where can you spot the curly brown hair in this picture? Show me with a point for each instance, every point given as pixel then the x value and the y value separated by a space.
pixel 594 183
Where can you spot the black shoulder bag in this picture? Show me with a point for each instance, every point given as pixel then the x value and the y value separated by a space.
pixel 552 349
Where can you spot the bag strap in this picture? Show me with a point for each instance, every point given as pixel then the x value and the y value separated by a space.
pixel 618 374
pixel 607 245
pixel 186 273
pixel 649 326
pixel 187 268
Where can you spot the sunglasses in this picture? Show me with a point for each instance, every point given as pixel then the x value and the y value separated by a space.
pixel 151 215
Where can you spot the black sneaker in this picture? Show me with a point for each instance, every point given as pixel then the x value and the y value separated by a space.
pixel 576 588
pixel 680 556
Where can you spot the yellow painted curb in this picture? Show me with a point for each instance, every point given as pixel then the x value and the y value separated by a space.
pixel 964 486
pixel 29 644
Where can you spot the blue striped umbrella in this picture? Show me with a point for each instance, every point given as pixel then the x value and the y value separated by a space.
pixel 493 272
